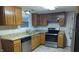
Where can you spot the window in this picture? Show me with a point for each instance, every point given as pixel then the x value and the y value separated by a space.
pixel 26 18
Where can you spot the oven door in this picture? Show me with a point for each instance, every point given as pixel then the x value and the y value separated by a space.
pixel 51 37
pixel 51 40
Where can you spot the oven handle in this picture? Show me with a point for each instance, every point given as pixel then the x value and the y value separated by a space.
pixel 51 34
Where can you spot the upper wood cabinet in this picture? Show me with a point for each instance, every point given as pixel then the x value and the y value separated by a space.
pixel 10 15
pixel 43 20
pixel 34 20
pixel 39 20
pixel 18 16
pixel 61 22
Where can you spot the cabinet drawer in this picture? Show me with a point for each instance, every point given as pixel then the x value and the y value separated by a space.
pixel 60 35
pixel 17 41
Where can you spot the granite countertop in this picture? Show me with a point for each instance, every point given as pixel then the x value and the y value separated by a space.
pixel 19 35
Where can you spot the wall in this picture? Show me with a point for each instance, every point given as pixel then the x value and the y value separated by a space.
pixel 69 27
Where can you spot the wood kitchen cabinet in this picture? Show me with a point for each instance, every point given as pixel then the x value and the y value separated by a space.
pixel 42 38
pixel 34 20
pixel 61 39
pixel 39 20
pixel 38 39
pixel 43 20
pixel 11 46
pixel 61 21
pixel 35 41
pixel 10 15
pixel 17 45
pixel 18 15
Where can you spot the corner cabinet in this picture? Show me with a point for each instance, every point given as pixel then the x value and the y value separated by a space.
pixel 37 39
pixel 10 15
pixel 61 22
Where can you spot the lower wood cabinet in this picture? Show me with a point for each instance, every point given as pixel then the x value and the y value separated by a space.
pixel 11 46
pixel 15 45
pixel 42 38
pixel 33 42
pixel 37 40
pixel 61 40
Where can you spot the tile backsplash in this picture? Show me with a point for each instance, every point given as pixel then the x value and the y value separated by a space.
pixel 12 31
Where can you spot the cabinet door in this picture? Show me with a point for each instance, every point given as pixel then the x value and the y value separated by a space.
pixel 9 15
pixel 41 20
pixel 33 42
pixel 11 46
pixel 18 16
pixel 17 45
pixel 37 39
pixel 38 20
pixel 61 40
pixel 42 38
pixel 44 20
pixel 7 45
pixel 34 20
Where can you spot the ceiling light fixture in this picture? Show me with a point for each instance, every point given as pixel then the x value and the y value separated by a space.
pixel 27 12
pixel 49 7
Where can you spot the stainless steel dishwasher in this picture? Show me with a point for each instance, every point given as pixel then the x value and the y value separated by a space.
pixel 26 44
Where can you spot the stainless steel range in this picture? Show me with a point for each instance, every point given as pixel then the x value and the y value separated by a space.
pixel 51 37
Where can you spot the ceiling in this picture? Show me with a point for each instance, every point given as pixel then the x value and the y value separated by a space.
pixel 39 9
